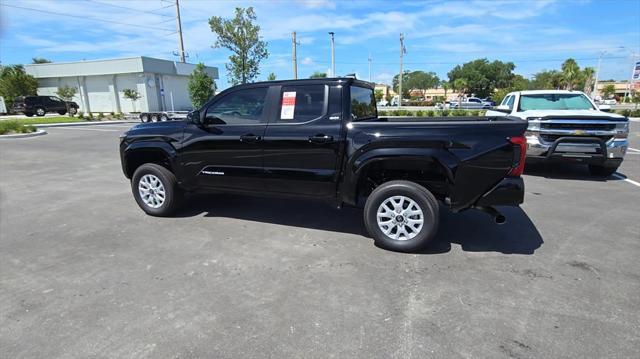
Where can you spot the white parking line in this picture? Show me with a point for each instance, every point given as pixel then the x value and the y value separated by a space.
pixel 633 149
pixel 85 129
pixel 619 176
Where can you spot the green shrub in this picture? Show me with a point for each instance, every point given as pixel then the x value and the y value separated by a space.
pixel 90 116
pixel 626 112
pixel 9 127
pixel 420 113
pixel 100 116
pixel 430 113
pixel 474 113
pixel 80 114
pixel 444 113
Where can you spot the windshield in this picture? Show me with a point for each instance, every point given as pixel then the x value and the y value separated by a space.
pixel 563 101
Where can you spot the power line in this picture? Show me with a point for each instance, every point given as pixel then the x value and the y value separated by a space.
pixel 83 17
pixel 130 8
pixel 455 63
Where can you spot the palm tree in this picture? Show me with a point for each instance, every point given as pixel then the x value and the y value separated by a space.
pixel 460 85
pixel 587 75
pixel 570 73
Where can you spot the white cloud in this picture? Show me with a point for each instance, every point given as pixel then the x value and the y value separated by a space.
pixel 307 61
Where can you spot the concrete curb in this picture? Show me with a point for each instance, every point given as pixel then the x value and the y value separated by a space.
pixel 87 123
pixel 24 135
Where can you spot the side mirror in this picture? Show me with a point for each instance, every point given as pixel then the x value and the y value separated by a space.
pixel 502 108
pixel 604 108
pixel 194 116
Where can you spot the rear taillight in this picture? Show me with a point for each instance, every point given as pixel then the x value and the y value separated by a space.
pixel 518 165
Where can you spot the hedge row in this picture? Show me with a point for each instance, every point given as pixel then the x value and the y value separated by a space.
pixel 8 127
pixel 629 112
pixel 432 113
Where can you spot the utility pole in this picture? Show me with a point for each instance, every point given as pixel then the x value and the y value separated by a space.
pixel 182 59
pixel 333 56
pixel 630 86
pixel 402 52
pixel 369 67
pixel 294 58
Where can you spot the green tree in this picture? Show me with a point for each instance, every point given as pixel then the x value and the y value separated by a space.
pixel 546 79
pixel 588 80
pixel 608 90
pixel 405 88
pixel 14 82
pixel 421 81
pixel 40 60
pixel 241 36
pixel 66 93
pixel 570 73
pixel 271 77
pixel 445 86
pixel 379 95
pixel 318 75
pixel 132 95
pixel 460 85
pixel 201 86
pixel 483 77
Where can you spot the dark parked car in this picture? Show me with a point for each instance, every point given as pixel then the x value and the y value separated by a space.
pixel 322 138
pixel 40 105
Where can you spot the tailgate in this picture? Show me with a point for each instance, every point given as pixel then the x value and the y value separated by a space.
pixel 486 159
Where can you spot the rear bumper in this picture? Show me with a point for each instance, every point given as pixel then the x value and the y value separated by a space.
pixel 588 150
pixel 508 192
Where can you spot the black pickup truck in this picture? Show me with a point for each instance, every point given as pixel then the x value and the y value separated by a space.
pixel 322 138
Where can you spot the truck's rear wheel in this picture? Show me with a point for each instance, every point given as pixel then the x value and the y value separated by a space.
pixel 401 216
pixel 155 190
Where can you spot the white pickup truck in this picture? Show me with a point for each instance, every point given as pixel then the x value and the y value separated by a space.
pixel 567 126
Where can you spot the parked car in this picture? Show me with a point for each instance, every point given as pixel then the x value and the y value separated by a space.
pixel 567 126
pixel 489 101
pixel 383 103
pixel 470 103
pixel 40 105
pixel 610 101
pixel 322 138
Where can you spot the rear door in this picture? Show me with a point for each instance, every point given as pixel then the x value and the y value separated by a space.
pixel 227 153
pixel 302 142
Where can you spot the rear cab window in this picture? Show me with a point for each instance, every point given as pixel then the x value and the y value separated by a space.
pixel 302 103
pixel 363 104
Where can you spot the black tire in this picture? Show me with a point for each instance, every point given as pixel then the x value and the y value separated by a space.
pixel 144 117
pixel 28 114
pixel 426 202
pixel 40 111
pixel 164 117
pixel 173 195
pixel 62 112
pixel 154 117
pixel 603 170
pixel 73 111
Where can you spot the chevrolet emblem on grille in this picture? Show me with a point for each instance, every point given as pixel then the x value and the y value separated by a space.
pixel 579 132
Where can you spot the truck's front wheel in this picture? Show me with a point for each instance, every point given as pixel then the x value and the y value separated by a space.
pixel 401 216
pixel 155 190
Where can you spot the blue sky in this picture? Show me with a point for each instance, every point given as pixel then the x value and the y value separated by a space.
pixel 535 35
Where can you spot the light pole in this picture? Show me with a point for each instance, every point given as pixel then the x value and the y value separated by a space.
pixel 594 94
pixel 402 52
pixel 333 56
pixel 294 44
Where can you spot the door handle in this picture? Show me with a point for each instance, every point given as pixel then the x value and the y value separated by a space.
pixel 250 138
pixel 320 138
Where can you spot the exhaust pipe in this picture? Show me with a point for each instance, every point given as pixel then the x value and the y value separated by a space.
pixel 498 217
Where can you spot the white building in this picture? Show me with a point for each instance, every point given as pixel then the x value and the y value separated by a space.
pixel 162 84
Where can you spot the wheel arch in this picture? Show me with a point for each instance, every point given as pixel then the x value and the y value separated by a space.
pixel 137 154
pixel 429 167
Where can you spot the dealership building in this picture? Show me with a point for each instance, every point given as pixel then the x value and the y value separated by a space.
pixel 161 84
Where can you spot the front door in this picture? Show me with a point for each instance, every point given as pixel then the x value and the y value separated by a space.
pixel 302 141
pixel 227 152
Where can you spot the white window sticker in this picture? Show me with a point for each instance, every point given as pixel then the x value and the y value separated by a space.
pixel 288 105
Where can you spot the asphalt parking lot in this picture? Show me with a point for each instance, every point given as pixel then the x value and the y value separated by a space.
pixel 84 273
